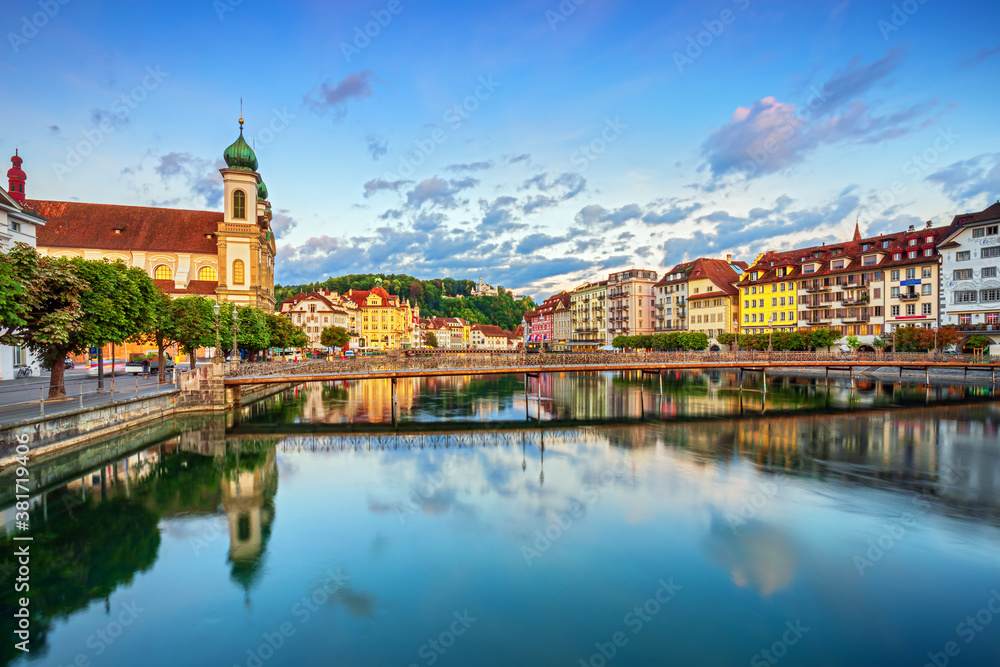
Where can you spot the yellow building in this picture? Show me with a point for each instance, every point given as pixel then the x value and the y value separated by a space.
pixel 383 321
pixel 588 320
pixel 767 296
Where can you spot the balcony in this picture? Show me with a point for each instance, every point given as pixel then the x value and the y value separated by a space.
pixel 818 288
pixel 822 304
pixel 978 327
pixel 909 296
pixel 859 318
pixel 854 302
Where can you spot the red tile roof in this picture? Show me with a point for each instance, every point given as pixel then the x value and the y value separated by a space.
pixel 81 225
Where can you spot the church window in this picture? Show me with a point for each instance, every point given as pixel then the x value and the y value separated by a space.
pixel 207 273
pixel 163 272
pixel 238 272
pixel 239 205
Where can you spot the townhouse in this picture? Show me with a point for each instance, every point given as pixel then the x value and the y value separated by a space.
pixel 713 300
pixel 970 285
pixel 589 317
pixel 630 303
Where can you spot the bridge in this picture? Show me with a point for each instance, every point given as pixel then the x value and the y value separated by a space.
pixel 395 368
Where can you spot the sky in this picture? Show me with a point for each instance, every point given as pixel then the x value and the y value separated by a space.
pixel 539 144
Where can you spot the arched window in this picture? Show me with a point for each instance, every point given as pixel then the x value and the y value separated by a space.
pixel 207 273
pixel 163 272
pixel 239 205
pixel 238 276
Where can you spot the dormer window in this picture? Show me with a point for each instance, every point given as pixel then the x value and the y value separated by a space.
pixel 870 260
pixel 913 241
pixel 838 264
pixel 885 245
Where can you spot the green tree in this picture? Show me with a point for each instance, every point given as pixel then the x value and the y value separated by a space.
pixel 284 334
pixel 819 338
pixel 160 329
pixel 334 337
pixel 854 343
pixel 431 339
pixel 979 342
pixel 68 305
pixel 194 324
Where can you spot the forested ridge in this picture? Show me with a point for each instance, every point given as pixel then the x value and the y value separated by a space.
pixel 436 298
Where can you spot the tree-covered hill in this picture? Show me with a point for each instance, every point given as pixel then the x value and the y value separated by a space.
pixel 431 295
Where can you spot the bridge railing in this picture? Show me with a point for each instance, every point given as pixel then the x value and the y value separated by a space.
pixel 474 361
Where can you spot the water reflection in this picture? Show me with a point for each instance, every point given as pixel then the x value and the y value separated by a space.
pixel 523 521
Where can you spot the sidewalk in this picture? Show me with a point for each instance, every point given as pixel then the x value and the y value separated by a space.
pixel 20 399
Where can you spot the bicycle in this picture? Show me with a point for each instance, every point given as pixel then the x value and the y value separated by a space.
pixel 23 372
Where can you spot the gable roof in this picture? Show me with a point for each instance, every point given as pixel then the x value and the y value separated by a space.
pixel 82 225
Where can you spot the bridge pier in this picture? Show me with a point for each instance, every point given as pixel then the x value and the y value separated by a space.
pixel 927 375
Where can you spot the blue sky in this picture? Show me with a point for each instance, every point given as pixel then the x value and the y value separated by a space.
pixel 538 143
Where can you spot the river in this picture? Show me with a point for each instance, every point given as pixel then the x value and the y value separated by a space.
pixel 596 519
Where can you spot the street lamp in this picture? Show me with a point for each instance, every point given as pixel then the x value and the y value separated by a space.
pixel 236 328
pixel 215 309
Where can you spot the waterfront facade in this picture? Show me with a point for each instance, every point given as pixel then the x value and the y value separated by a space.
pixel 713 300
pixel 970 284
pixel 318 310
pixel 630 303
pixel 226 255
pixel 589 316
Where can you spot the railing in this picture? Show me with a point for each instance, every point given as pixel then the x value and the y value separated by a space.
pixel 116 388
pixel 977 327
pixel 908 297
pixel 472 361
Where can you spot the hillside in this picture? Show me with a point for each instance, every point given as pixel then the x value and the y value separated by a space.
pixel 431 295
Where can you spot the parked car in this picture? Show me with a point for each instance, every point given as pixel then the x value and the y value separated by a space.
pixel 68 364
pixel 348 354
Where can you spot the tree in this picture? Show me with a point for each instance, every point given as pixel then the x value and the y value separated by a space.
pixel 194 324
pixel 819 338
pixel 70 304
pixel 284 334
pixel 334 337
pixel 48 318
pixel 979 342
pixel 161 329
pixel 854 343
pixel 880 344
pixel 431 339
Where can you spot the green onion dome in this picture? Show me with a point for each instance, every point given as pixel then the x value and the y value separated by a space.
pixel 261 190
pixel 239 155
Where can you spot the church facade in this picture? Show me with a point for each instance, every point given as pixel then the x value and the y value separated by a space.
pixel 227 255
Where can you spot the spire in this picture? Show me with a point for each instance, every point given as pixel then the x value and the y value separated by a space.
pixel 857 230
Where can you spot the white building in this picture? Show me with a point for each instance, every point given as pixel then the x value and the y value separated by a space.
pixel 319 310
pixel 17 225
pixel 970 273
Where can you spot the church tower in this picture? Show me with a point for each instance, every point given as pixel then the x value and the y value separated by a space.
pixel 16 178
pixel 246 243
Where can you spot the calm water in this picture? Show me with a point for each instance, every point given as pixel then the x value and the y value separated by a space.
pixel 627 527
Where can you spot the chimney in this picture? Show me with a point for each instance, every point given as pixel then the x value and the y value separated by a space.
pixel 911 228
pixel 930 224
pixel 729 259
pixel 16 178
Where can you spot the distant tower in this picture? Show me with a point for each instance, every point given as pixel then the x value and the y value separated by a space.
pixel 16 178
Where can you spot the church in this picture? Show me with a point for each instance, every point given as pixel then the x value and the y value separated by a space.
pixel 227 255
